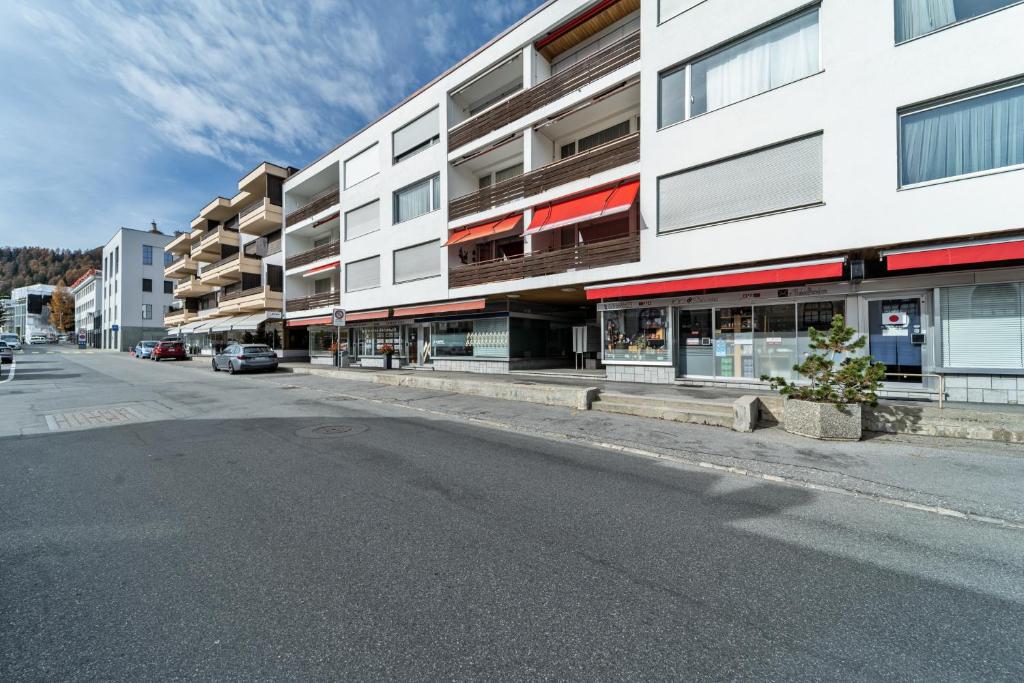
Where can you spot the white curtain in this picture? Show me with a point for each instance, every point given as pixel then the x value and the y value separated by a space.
pixel 413 201
pixel 917 17
pixel 767 60
pixel 974 135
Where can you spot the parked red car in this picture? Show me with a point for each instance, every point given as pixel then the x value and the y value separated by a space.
pixel 169 349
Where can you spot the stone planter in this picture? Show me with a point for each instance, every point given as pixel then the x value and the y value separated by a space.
pixel 826 421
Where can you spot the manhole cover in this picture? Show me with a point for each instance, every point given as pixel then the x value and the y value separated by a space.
pixel 328 431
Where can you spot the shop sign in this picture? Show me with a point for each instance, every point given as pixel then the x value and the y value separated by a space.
pixel 274 315
pixel 726 298
pixel 895 323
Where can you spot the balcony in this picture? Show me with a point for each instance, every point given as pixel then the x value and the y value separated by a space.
pixel 179 316
pixel 180 243
pixel 180 267
pixel 208 248
pixel 230 269
pixel 191 287
pixel 601 63
pixel 611 252
pixel 308 303
pixel 314 254
pixel 263 247
pixel 260 217
pixel 616 153
pixel 319 202
pixel 251 300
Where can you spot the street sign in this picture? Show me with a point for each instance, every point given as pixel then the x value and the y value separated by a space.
pixel 339 317
pixel 115 328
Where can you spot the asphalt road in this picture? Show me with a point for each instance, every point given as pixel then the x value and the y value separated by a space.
pixel 206 527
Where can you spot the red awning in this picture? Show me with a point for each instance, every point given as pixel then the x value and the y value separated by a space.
pixel 483 230
pixel 432 309
pixel 606 202
pixel 772 275
pixel 559 31
pixel 302 322
pixel 954 255
pixel 319 269
pixel 367 315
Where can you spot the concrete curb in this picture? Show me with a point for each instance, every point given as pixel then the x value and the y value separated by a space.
pixel 579 398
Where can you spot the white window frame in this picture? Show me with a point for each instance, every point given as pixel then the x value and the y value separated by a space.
pixel 434 180
pixel 394 257
pixel 423 146
pixel 363 260
pixel 958 22
pixel 687 65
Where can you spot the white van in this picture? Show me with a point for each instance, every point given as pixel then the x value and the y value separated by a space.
pixel 38 339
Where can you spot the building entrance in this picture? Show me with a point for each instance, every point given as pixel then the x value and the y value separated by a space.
pixel 896 334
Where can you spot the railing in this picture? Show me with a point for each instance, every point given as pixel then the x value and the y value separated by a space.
pixel 575 77
pixel 214 235
pixel 273 247
pixel 308 303
pixel 252 206
pixel 261 247
pixel 314 254
pixel 580 257
pixel 318 203
pixel 223 262
pixel 241 293
pixel 610 155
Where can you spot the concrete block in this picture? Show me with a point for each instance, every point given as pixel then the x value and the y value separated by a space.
pixel 745 413
pixel 1020 384
pixel 994 395
pixel 956 381
pixel 956 394
pixel 979 382
pixel 975 395
pixel 1007 383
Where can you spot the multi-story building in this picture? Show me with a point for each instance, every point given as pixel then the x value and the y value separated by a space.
pixel 228 268
pixel 765 166
pixel 28 312
pixel 88 293
pixel 135 294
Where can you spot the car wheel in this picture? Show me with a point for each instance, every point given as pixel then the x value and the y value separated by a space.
pixel 231 368
pixel 215 368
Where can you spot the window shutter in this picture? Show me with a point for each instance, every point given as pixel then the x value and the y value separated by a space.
pixel 363 220
pixel 420 261
pixel 416 132
pixel 363 274
pixel 783 177
pixel 982 326
pixel 362 166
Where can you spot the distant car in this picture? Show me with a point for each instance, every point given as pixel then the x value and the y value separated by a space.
pixel 241 357
pixel 168 350
pixel 11 340
pixel 63 338
pixel 6 353
pixel 38 339
pixel 144 349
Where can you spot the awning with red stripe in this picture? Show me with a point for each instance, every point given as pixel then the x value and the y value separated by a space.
pixel 302 322
pixel 433 309
pixel 752 277
pixel 955 254
pixel 367 315
pixel 606 202
pixel 483 230
pixel 319 269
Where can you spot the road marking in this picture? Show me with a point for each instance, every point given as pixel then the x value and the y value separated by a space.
pixel 10 375
pixel 91 419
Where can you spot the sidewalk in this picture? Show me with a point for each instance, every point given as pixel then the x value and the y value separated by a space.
pixel 974 478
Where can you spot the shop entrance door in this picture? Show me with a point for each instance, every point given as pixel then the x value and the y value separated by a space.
pixel 893 324
pixel 418 344
pixel 424 347
pixel 696 357
pixel 734 342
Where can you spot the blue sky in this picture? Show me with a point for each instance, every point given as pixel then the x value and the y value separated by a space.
pixel 119 112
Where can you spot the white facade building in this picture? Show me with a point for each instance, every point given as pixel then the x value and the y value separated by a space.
pixel 764 166
pixel 88 293
pixel 135 294
pixel 28 312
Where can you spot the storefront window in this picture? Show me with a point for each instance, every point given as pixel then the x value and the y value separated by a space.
pixel 320 341
pixel 370 340
pixel 533 338
pixel 734 342
pixel 983 326
pixel 471 338
pixel 816 314
pixel 490 338
pixel 638 334
pixel 452 338
pixel 775 345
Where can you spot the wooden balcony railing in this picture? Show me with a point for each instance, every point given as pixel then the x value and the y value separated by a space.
pixel 580 257
pixel 253 206
pixel 261 247
pixel 314 254
pixel 308 303
pixel 318 203
pixel 575 77
pixel 610 155
pixel 224 261
pixel 238 294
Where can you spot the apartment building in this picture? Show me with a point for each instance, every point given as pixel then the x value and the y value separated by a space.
pixel 28 312
pixel 88 293
pixel 135 294
pixel 228 268
pixel 765 166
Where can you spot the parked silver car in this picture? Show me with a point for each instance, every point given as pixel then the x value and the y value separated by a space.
pixel 6 353
pixel 11 340
pixel 144 349
pixel 241 357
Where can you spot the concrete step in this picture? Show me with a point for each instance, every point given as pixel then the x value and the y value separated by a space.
pixel 675 410
pixel 958 423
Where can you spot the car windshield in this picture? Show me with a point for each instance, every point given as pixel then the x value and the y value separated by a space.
pixel 256 349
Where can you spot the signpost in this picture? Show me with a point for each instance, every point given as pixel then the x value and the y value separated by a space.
pixel 81 340
pixel 338 318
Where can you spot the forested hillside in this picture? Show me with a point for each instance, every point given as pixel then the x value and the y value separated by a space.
pixel 20 266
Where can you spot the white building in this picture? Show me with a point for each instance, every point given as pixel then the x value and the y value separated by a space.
pixel 28 312
pixel 763 167
pixel 88 293
pixel 135 294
